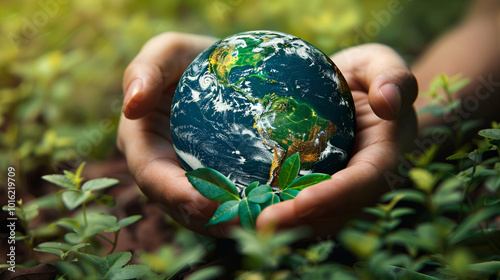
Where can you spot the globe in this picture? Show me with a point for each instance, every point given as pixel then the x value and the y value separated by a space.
pixel 253 99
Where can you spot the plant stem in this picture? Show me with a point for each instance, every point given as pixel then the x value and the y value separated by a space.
pixel 84 213
pixel 114 243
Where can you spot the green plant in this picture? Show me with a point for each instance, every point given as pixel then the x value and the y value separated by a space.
pixel 82 230
pixel 215 186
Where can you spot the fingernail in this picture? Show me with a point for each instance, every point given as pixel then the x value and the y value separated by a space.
pixel 132 90
pixel 392 96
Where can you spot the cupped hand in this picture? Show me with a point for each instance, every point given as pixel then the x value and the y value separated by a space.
pixel 384 90
pixel 144 131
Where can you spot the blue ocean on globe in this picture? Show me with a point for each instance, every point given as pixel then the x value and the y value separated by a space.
pixel 253 99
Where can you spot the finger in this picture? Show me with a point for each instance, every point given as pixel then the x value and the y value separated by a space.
pixel 159 64
pixel 380 71
pixel 326 205
pixel 155 167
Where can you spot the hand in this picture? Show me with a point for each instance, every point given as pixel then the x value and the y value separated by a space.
pixel 384 90
pixel 144 131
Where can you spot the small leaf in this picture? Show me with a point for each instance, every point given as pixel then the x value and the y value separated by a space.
pixel 105 200
pixel 226 212
pixel 124 223
pixel 60 180
pixel 261 194
pixel 490 201
pixel 461 155
pixel 289 171
pixel 423 179
pixel 248 213
pixel 73 238
pixel 74 198
pixel 320 251
pixel 387 208
pixel 308 180
pixel 250 187
pixel 470 223
pixel 398 212
pixel 274 199
pixel 289 194
pixel 133 271
pixel 403 273
pixel 484 269
pixel 55 245
pixel 490 133
pixel 98 184
pixel 212 272
pixel 213 185
pixel 375 211
pixel 408 195
pixel 118 260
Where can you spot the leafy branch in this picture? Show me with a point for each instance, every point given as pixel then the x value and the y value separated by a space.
pixel 215 186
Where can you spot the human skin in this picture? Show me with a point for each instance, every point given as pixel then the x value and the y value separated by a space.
pixel 383 89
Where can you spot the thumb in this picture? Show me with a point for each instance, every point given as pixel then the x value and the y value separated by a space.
pixel 383 74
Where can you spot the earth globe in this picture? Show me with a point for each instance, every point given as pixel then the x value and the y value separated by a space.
pixel 251 100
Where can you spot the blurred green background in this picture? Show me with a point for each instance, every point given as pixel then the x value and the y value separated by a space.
pixel 61 62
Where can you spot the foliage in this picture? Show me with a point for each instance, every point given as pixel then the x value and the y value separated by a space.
pixel 444 226
pixel 215 186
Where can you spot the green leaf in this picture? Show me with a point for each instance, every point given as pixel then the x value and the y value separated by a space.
pixel 213 185
pixel 55 245
pixel 105 200
pixel 101 264
pixel 320 251
pixel 465 228
pixel 377 212
pixel 423 179
pixel 124 223
pixel 250 187
pixel 212 272
pixel 484 269
pixel 360 243
pixel 274 199
pixel 128 220
pixel 248 213
pixel 461 155
pixel 98 184
pixel 402 211
pixel 408 195
pixel 68 223
pixel 226 212
pixel 289 171
pixel 402 273
pixel 490 133
pixel 118 260
pixel 133 271
pixel 261 194
pixel 56 252
pixel 61 181
pixel 74 198
pixel 289 194
pixel 73 238
pixel 308 180
pixel 490 201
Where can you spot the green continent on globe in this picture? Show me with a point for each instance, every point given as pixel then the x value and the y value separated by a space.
pixel 288 127
pixel 226 57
